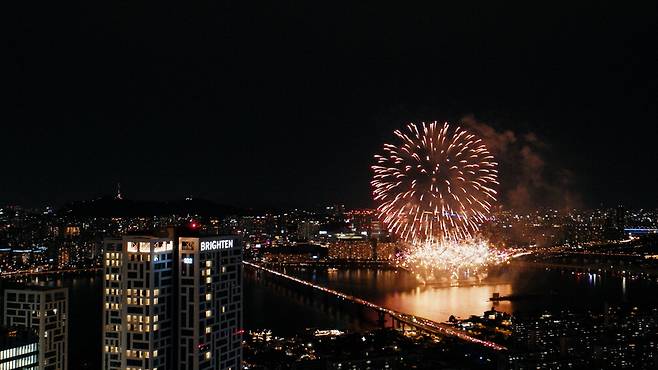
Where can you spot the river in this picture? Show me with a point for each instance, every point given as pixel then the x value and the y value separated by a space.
pixel 287 310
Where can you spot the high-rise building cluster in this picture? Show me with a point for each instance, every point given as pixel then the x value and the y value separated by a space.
pixel 551 227
pixel 618 337
pixel 45 239
pixel 362 250
pixel 173 302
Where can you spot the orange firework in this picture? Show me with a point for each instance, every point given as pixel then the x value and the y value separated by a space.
pixel 436 185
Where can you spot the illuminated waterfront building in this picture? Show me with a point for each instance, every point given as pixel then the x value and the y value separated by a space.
pixel 44 310
pixel 172 303
pixel 19 349
pixel 361 249
pixel 302 252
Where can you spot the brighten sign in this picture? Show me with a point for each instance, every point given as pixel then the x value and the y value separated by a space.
pixel 216 244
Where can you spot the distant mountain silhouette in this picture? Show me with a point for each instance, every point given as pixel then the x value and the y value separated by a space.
pixel 112 207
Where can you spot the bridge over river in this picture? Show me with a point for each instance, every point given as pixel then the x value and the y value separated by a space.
pixel 417 322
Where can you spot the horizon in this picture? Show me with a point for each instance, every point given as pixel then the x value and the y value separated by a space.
pixel 282 208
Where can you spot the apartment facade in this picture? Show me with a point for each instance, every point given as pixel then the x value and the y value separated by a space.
pixel 210 297
pixel 19 349
pixel 172 303
pixel 138 304
pixel 45 311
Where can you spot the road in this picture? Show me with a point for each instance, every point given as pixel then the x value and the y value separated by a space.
pixel 48 272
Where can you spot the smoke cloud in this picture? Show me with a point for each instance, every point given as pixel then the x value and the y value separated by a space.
pixel 527 179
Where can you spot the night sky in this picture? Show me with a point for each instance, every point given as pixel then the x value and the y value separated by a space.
pixel 284 103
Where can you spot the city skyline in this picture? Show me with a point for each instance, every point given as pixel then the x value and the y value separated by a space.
pixel 224 185
pixel 314 269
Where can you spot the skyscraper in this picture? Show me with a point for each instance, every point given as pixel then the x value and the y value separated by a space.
pixel 138 303
pixel 620 220
pixel 172 303
pixel 45 311
pixel 210 302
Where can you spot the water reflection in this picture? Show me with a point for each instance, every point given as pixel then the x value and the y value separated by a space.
pixel 531 289
pixel 399 290
pixel 438 303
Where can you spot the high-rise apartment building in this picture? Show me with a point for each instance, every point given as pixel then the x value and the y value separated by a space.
pixel 210 303
pixel 172 303
pixel 45 311
pixel 138 303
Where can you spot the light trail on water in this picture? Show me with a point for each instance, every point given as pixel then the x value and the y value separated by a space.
pixel 421 323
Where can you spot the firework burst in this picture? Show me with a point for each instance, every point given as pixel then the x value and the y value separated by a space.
pixel 464 260
pixel 436 186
